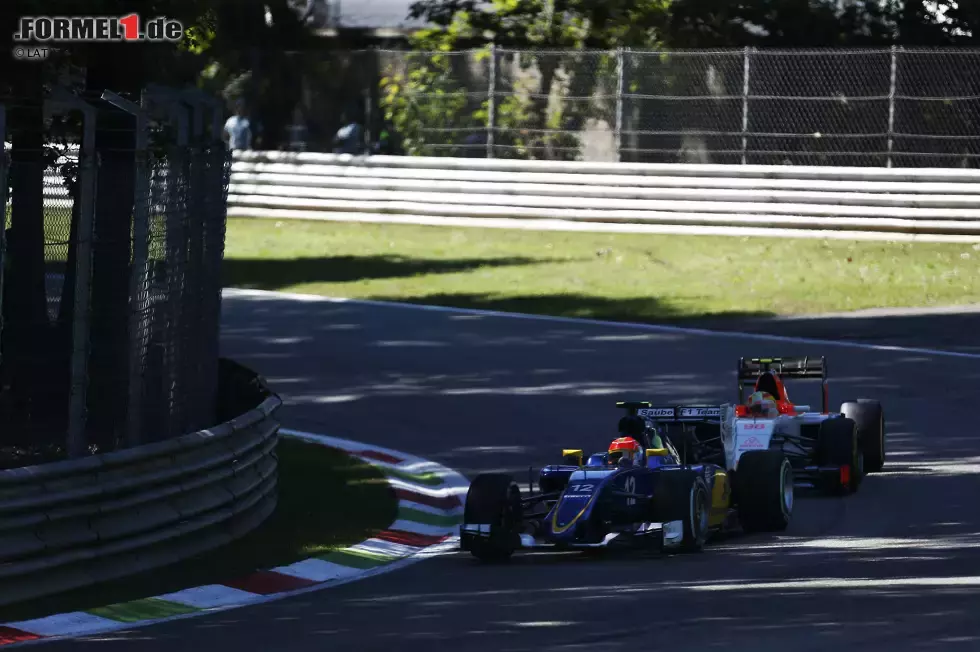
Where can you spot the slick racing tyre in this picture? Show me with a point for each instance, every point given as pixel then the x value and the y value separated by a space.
pixel 493 502
pixel 683 496
pixel 838 445
pixel 764 491
pixel 870 420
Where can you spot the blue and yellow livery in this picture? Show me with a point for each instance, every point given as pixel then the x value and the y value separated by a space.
pixel 654 501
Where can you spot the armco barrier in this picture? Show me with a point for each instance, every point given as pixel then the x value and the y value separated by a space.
pixel 341 187
pixel 72 524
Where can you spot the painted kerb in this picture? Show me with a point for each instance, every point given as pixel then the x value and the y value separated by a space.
pixel 452 192
pixel 71 524
pixel 430 505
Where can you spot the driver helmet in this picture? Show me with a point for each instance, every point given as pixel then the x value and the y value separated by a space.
pixel 762 404
pixel 625 450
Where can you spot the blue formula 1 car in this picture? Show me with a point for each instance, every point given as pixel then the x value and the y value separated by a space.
pixel 638 494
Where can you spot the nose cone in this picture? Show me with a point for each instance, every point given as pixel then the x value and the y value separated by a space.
pixel 567 515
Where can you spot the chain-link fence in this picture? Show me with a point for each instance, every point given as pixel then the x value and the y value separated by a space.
pixel 111 284
pixel 891 107
pixel 175 305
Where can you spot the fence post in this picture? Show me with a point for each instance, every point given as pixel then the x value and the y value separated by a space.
pixel 746 70
pixel 892 87
pixel 492 101
pixel 139 274
pixel 4 167
pixel 620 97
pixel 198 384
pixel 64 101
pixel 204 228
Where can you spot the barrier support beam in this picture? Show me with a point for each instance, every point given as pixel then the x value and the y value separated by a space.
pixel 62 101
pixel 139 273
pixel 4 168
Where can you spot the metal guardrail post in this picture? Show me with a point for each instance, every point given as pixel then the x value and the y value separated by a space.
pixel 746 70
pixel 200 382
pixel 492 101
pixel 4 168
pixel 64 101
pixel 139 274
pixel 892 88
pixel 213 244
pixel 620 98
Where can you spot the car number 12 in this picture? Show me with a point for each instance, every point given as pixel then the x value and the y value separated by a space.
pixel 630 489
pixel 581 488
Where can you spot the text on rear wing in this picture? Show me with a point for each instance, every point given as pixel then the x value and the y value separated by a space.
pixel 679 413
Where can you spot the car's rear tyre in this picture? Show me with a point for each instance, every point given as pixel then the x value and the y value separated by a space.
pixel 493 499
pixel 838 445
pixel 764 491
pixel 870 420
pixel 683 496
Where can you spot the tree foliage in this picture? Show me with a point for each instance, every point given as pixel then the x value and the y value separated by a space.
pixel 560 27
pixel 529 122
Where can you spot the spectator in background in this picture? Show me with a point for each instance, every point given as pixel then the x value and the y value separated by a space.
pixel 349 138
pixel 238 129
pixel 475 145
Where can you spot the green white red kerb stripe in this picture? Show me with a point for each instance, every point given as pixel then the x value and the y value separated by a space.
pixel 430 506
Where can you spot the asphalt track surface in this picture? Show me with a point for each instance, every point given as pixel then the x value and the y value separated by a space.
pixel 896 567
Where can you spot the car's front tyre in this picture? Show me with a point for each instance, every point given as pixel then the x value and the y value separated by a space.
pixel 764 491
pixel 491 517
pixel 682 496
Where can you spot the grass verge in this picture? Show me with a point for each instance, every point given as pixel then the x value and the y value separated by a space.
pixel 327 501
pixel 596 275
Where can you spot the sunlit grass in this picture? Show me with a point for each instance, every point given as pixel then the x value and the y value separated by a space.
pixel 611 276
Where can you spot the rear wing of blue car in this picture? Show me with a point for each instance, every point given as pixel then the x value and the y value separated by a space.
pixel 679 413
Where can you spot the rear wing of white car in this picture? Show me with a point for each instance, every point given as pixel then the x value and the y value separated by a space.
pixel 797 368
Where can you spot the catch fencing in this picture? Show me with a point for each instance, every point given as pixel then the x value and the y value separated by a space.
pixel 850 202
pixel 894 107
pixel 111 285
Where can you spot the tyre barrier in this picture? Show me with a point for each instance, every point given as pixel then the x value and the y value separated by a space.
pixel 304 185
pixel 71 524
